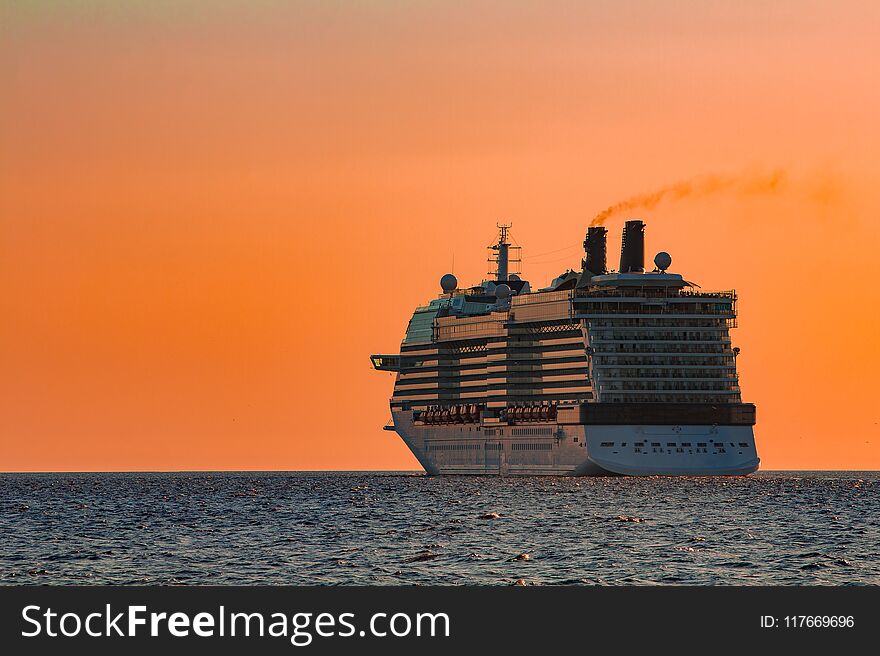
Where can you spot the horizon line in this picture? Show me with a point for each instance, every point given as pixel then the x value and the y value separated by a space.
pixel 348 471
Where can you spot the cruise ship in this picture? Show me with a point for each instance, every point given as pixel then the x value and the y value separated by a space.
pixel 627 372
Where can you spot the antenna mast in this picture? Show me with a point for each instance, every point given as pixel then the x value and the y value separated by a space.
pixel 502 254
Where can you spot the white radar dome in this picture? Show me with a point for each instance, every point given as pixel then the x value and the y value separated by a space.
pixel 448 283
pixel 662 260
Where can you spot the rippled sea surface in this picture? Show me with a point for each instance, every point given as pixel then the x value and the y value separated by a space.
pixel 368 528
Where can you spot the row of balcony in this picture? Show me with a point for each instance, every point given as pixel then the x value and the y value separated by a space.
pixel 671 397
pixel 662 360
pixel 665 386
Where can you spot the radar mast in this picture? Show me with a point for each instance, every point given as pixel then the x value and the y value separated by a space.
pixel 503 255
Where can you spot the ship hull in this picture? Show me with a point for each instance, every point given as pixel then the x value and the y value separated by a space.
pixel 551 449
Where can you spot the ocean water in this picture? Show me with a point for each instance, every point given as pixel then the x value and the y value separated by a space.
pixel 372 528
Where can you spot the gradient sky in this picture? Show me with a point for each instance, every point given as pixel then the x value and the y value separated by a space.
pixel 211 213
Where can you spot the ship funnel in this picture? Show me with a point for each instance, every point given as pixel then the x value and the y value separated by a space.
pixel 632 248
pixel 594 248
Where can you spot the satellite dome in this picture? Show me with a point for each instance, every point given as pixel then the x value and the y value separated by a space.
pixel 513 276
pixel 502 291
pixel 448 283
pixel 662 260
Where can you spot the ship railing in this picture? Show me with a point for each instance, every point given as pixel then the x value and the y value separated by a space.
pixel 652 292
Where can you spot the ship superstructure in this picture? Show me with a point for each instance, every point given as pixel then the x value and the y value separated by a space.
pixel 602 372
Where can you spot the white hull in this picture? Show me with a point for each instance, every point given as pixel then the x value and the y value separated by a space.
pixel 549 449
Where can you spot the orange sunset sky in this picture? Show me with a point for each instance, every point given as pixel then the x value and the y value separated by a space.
pixel 211 213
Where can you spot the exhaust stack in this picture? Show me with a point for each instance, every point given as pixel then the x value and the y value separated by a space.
pixel 594 248
pixel 632 248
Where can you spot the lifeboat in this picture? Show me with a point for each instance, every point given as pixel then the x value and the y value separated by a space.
pixel 545 412
pixel 444 416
